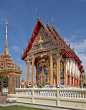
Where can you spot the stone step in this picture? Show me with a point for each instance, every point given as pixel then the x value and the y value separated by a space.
pixel 3 99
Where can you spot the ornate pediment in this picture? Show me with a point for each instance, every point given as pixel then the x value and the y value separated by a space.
pixel 42 41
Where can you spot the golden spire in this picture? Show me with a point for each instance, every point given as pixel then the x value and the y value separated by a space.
pixel 6 51
pixel 37 13
pixel 46 19
pixel 6 46
pixel 52 23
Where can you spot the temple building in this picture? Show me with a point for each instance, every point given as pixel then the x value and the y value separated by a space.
pixel 8 67
pixel 56 63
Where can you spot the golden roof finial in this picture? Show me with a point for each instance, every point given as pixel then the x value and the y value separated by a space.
pixel 73 48
pixel 6 51
pixel 52 23
pixel 37 13
pixel 6 46
pixel 46 19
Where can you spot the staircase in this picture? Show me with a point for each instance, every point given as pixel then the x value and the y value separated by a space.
pixel 3 99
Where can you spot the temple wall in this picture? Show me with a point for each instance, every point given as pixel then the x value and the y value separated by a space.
pixel 14 82
pixel 73 73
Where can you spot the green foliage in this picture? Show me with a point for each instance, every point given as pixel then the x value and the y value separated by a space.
pixel 5 81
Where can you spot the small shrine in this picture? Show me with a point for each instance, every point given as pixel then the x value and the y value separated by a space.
pixel 42 77
pixel 8 67
pixel 23 84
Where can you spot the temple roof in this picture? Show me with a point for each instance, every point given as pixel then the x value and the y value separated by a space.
pixel 56 38
pixel 6 63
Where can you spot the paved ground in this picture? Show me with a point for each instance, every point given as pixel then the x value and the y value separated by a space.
pixel 36 106
pixel 4 103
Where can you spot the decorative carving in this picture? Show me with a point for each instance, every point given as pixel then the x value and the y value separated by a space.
pixel 42 78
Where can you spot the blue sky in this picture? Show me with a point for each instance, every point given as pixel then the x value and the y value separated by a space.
pixel 69 18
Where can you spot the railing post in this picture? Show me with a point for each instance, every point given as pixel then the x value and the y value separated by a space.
pixel 32 96
pixel 58 97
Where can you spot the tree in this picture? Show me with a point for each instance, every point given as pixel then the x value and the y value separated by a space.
pixel 5 81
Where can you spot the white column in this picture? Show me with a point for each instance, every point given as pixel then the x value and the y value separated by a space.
pixel 73 67
pixel 68 64
pixel 70 67
pixel 70 72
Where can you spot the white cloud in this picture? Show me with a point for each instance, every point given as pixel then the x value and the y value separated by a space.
pixel 72 37
pixel 16 48
pixel 80 50
pixel 78 31
pixel 83 58
pixel 79 47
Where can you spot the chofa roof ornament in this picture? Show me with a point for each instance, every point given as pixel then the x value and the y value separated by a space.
pixel 37 14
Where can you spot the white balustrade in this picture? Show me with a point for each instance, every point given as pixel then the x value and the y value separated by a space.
pixel 75 94
pixel 83 95
pixel 72 93
pixel 80 95
pixel 64 94
pixel 44 93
